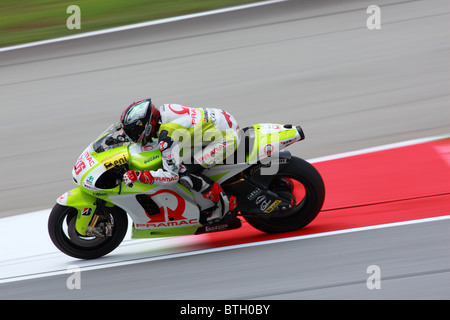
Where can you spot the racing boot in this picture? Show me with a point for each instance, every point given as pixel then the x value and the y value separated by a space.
pixel 212 191
pixel 223 203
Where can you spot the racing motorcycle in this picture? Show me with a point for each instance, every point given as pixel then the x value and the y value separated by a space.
pixel 275 192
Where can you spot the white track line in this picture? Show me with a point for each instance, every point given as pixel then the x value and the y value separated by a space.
pixel 219 249
pixel 140 25
pixel 379 148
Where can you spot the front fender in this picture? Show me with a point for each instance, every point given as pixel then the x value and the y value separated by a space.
pixel 85 205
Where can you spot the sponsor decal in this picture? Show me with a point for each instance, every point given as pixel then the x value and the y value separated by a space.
pixel 86 212
pixel 85 158
pixel 89 158
pixel 62 200
pixel 228 118
pixel 266 128
pixel 210 154
pixel 254 193
pixel 89 186
pixel 192 112
pixel 117 161
pixel 263 202
pixel 115 155
pixel 288 141
pixel 165 179
pixel 272 206
pixel 174 216
pixel 194 116
pixel 218 227
pixel 163 145
pixel 100 194
pixel 151 159
pixel 147 147
pixel 184 109
pixel 167 224
pixel 266 205
pixel 89 180
pixel 168 217
pixel 268 149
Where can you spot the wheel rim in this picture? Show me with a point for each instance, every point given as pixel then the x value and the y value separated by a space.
pixel 70 236
pixel 290 190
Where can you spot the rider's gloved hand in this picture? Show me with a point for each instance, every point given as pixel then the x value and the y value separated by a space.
pixel 129 177
pixel 143 176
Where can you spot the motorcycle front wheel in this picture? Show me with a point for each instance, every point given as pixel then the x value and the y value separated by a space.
pixel 61 228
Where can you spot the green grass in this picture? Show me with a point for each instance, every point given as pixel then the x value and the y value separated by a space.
pixel 24 21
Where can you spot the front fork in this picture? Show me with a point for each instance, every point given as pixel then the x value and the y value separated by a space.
pixel 92 213
pixel 104 227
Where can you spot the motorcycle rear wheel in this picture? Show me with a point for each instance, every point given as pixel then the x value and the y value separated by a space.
pixel 61 228
pixel 307 198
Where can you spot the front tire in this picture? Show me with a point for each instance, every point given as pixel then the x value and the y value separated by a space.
pixel 61 228
pixel 304 186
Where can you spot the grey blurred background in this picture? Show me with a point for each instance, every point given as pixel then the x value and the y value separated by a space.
pixel 313 63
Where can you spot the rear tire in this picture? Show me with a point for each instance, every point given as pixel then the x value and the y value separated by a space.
pixel 308 202
pixel 61 228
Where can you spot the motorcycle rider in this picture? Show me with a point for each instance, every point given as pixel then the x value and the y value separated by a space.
pixel 142 122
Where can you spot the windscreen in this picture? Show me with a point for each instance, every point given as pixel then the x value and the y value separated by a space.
pixel 111 138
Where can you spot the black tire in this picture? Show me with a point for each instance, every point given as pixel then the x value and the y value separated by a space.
pixel 305 209
pixel 61 228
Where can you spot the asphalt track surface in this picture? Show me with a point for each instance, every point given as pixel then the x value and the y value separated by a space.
pixel 301 62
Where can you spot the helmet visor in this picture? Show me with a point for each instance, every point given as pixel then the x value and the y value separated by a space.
pixel 137 112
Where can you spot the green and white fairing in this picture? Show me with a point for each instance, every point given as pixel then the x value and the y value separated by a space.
pixel 96 176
